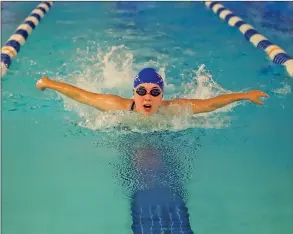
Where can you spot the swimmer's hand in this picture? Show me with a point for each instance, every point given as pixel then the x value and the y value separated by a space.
pixel 255 95
pixel 41 84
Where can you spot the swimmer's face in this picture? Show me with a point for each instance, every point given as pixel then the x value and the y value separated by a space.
pixel 148 98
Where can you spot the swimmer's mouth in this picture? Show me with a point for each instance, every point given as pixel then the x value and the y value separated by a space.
pixel 147 107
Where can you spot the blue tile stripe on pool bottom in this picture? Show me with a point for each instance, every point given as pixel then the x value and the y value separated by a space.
pixel 274 52
pixel 18 39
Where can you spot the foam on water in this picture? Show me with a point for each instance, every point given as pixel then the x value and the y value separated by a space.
pixel 112 71
pixel 285 89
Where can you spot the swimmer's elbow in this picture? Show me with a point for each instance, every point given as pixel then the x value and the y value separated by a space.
pixel 108 102
pixel 197 105
pixel 198 110
pixel 203 106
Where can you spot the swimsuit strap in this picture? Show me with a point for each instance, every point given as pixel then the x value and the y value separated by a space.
pixel 132 106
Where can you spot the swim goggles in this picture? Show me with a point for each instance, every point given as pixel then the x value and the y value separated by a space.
pixel 141 91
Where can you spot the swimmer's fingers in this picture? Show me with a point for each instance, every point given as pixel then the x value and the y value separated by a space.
pixel 255 95
pixel 258 93
pixel 258 102
pixel 41 83
pixel 263 94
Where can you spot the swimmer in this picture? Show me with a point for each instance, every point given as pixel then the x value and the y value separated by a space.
pixel 148 89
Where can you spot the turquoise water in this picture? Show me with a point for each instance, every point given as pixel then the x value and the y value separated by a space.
pixel 67 168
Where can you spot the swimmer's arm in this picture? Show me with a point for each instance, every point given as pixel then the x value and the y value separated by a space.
pixel 211 104
pixel 103 102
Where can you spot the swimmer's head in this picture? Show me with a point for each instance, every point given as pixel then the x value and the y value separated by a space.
pixel 149 75
pixel 148 91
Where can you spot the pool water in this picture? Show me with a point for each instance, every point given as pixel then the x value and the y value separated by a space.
pixel 68 168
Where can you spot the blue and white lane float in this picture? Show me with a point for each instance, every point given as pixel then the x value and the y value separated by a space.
pixel 18 39
pixel 274 52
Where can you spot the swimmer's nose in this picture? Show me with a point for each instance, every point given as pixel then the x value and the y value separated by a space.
pixel 147 97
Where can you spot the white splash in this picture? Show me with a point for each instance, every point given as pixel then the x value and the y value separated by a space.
pixel 112 71
pixel 285 89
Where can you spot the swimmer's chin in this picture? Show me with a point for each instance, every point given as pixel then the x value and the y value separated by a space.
pixel 160 111
pixel 146 113
pixel 149 112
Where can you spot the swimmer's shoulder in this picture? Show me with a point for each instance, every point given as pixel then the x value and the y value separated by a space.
pixel 176 105
pixel 115 102
pixel 125 103
pixel 169 103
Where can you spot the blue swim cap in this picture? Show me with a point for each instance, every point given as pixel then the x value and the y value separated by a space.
pixel 148 75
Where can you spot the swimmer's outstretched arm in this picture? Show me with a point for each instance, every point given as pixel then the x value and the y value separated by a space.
pixel 103 102
pixel 211 104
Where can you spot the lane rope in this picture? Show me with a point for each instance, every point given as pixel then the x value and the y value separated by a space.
pixel 274 52
pixel 18 39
